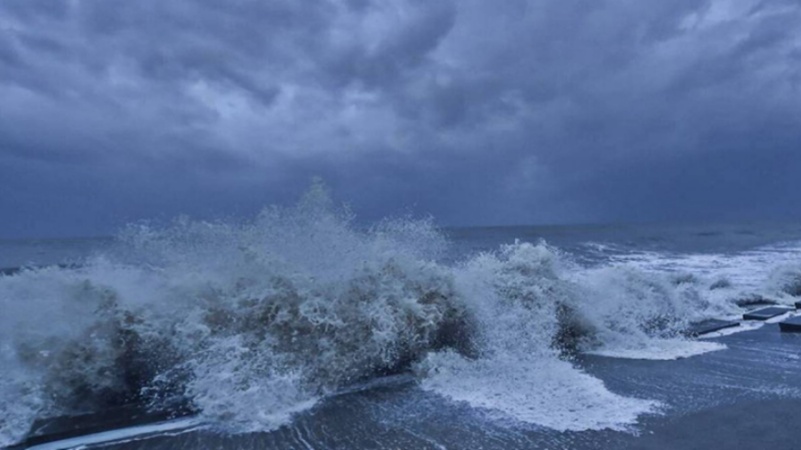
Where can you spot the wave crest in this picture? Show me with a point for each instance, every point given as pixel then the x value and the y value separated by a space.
pixel 297 303
pixel 300 302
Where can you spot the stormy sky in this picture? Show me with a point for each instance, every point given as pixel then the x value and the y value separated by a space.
pixel 475 112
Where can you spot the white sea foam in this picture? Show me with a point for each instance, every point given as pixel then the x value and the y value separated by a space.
pixel 546 391
pixel 517 295
pixel 123 435
pixel 254 322
pixel 772 271
pixel 657 349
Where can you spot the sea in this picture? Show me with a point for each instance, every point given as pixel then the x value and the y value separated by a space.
pixel 304 328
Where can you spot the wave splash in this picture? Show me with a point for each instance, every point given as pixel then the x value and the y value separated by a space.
pixel 252 322
pixel 529 322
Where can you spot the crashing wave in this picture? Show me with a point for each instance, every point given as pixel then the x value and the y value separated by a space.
pixel 251 322
pixel 284 309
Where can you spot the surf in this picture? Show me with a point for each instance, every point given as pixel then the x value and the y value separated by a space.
pixel 248 323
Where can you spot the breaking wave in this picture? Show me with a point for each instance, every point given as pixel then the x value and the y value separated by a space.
pixel 249 323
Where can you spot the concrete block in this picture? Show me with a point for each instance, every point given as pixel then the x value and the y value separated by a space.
pixel 791 325
pixel 709 326
pixel 765 313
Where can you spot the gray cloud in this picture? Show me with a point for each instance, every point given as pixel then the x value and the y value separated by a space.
pixel 475 112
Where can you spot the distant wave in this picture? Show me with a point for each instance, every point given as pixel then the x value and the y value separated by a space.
pixel 9 271
pixel 253 322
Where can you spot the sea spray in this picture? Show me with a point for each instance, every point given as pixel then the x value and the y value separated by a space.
pixel 641 315
pixel 517 294
pixel 250 322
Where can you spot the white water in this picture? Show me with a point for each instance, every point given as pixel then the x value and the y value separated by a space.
pixel 256 321
pixel 123 435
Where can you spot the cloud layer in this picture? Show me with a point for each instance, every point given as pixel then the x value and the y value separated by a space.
pixel 475 112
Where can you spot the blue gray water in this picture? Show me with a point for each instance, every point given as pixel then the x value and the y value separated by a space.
pixel 588 243
pixel 595 243
pixel 18 253
pixel 270 330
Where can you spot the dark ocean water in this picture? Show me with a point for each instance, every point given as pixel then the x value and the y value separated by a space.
pixel 18 253
pixel 589 243
pixel 595 243
pixel 300 330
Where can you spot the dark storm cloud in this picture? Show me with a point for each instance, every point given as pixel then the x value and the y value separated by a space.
pixel 473 111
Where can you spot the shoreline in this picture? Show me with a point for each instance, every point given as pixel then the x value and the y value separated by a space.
pixel 746 396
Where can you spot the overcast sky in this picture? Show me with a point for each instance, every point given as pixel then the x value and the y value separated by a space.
pixel 475 112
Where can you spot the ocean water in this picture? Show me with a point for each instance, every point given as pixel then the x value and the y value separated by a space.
pixel 257 324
